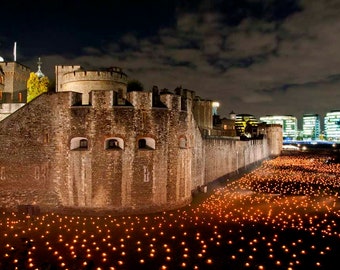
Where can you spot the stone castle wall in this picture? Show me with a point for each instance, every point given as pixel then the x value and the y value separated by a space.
pixel 55 153
pixel 225 156
pixel 37 156
pixel 28 154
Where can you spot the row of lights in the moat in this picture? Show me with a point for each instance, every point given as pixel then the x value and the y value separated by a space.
pixel 234 227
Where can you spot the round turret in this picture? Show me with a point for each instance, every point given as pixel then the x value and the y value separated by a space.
pixel 84 81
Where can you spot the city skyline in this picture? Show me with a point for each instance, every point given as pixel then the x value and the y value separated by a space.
pixel 257 57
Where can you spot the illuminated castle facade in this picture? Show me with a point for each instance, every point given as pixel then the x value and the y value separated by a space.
pixel 13 89
pixel 92 144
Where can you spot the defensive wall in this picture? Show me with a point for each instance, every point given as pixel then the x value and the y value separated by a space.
pixel 140 156
pixel 43 162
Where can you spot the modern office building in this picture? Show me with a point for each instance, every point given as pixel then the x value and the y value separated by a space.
pixel 311 126
pixel 288 123
pixel 241 122
pixel 332 125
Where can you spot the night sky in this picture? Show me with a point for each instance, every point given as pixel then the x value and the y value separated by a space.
pixel 257 57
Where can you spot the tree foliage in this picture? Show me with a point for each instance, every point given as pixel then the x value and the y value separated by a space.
pixel 135 85
pixel 36 86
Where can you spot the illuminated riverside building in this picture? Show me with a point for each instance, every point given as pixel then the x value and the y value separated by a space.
pixel 288 123
pixel 311 126
pixel 332 125
pixel 241 121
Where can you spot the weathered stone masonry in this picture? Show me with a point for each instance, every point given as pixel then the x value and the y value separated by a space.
pixel 55 152
pixel 38 165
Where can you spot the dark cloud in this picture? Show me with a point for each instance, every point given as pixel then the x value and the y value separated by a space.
pixel 235 11
pixel 259 57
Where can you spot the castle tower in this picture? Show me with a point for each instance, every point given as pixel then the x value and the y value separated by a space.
pixel 203 113
pixel 15 82
pixel 13 86
pixel 77 79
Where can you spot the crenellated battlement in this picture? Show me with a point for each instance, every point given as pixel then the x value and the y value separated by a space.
pixel 13 65
pixel 77 79
pixel 62 68
pixel 84 75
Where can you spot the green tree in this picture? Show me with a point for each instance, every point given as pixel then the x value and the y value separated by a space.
pixel 36 86
pixel 135 85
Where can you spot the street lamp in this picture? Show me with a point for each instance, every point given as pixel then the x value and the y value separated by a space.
pixel 215 105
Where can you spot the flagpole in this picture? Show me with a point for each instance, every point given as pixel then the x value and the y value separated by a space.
pixel 15 51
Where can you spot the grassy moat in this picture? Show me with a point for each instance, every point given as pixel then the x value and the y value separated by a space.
pixel 283 215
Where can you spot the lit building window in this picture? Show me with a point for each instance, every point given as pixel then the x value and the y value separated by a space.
pixel 288 123
pixel 311 126
pixel 332 125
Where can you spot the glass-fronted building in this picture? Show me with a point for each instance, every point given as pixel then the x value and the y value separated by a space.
pixel 241 122
pixel 288 123
pixel 332 125
pixel 311 126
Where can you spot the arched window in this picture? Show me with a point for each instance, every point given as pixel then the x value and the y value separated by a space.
pixel 83 143
pixel 142 143
pixel 79 143
pixel 146 143
pixel 114 143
